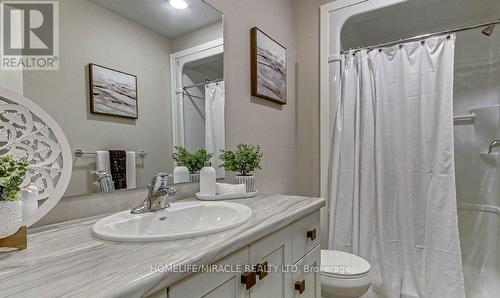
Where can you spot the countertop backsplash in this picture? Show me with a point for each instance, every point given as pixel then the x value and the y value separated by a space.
pixel 103 203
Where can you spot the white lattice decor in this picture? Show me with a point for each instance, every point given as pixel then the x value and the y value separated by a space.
pixel 26 130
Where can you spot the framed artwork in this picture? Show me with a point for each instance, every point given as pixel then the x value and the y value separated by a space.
pixel 112 92
pixel 268 67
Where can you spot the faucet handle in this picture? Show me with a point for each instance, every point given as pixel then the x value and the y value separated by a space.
pixel 160 185
pixel 160 181
pixel 159 193
pixel 495 143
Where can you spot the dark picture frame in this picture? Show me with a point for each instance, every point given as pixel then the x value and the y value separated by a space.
pixel 268 67
pixel 112 92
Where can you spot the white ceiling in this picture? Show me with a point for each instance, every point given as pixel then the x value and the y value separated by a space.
pixel 416 17
pixel 213 66
pixel 159 16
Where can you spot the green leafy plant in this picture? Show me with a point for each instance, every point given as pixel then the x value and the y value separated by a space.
pixel 12 173
pixel 244 160
pixel 193 161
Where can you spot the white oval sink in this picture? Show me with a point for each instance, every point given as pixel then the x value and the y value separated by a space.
pixel 181 220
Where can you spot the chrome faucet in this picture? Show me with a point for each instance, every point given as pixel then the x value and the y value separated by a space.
pixel 495 143
pixel 159 193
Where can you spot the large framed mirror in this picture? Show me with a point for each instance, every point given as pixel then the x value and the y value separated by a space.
pixel 135 78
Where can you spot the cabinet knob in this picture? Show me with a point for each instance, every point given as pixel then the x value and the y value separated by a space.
pixel 300 286
pixel 249 279
pixel 311 234
pixel 261 270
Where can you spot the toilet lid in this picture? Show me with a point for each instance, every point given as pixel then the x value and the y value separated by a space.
pixel 342 264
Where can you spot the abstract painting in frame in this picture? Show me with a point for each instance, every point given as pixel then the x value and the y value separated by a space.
pixel 268 67
pixel 112 92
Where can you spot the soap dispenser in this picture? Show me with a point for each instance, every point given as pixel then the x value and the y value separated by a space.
pixel 208 180
pixel 181 174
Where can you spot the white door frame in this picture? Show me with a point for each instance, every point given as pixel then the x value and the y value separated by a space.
pixel 177 62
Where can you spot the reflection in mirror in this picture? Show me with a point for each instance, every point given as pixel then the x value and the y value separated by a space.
pixel 199 99
pixel 135 79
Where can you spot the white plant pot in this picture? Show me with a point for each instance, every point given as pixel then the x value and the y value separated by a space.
pixel 11 218
pixel 249 181
pixel 194 177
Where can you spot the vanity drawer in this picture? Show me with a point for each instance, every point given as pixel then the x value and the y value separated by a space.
pixel 226 284
pixel 305 235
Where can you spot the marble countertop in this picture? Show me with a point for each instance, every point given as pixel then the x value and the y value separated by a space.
pixel 66 260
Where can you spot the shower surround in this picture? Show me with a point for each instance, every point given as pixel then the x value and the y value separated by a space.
pixel 477 92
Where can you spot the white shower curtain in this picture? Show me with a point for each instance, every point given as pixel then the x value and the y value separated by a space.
pixel 214 123
pixel 393 198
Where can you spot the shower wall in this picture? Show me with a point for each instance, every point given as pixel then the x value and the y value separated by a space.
pixel 477 91
pixel 194 110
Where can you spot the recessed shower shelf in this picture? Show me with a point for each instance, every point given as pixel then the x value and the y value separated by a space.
pixel 494 156
pixel 492 209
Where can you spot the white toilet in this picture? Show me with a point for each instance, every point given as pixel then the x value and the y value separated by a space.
pixel 343 275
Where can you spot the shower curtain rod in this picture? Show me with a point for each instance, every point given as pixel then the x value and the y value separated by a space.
pixel 420 37
pixel 185 92
pixel 203 84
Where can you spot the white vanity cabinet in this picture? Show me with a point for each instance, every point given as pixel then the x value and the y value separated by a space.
pixel 294 247
pixel 270 255
pixel 215 285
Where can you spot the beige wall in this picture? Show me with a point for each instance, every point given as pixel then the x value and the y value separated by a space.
pixel 12 80
pixel 197 37
pixel 250 119
pixel 308 117
pixel 92 34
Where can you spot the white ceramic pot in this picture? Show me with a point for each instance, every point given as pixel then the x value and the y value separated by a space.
pixel 11 217
pixel 249 181
pixel 194 177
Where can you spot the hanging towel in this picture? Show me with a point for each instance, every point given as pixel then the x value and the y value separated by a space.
pixel 103 164
pixel 131 176
pixel 102 161
pixel 118 165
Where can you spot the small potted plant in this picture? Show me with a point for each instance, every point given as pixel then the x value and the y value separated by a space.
pixel 244 160
pixel 193 161
pixel 12 173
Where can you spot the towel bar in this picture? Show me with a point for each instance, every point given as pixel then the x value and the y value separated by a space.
pixel 80 153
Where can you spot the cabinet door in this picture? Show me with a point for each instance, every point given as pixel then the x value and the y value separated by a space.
pixel 307 280
pixel 215 284
pixel 275 251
